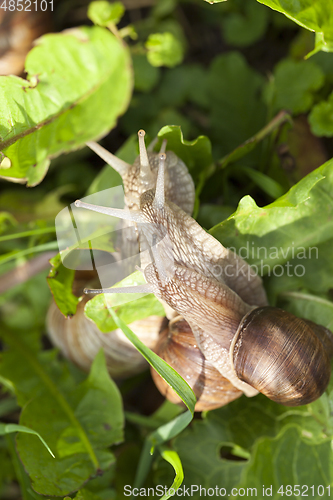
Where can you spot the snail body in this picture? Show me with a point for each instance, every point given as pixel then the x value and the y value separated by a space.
pixel 255 347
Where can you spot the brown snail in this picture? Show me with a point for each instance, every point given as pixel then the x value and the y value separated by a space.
pixel 79 339
pixel 254 346
pixel 178 347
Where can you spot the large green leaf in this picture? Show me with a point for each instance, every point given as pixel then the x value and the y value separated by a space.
pixel 226 448
pixel 78 83
pixel 300 467
pixel 314 15
pixel 277 233
pixel 79 422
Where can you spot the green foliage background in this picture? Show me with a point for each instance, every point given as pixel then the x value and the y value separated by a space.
pixel 242 91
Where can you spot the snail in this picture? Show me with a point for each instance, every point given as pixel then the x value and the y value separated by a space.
pixel 177 346
pixel 257 348
pixel 79 339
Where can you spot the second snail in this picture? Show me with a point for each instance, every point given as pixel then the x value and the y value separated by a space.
pixel 223 337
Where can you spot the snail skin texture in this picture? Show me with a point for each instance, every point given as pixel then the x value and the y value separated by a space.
pixel 254 346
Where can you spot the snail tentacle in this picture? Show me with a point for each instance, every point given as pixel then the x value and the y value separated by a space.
pixel 159 199
pixel 115 212
pixel 119 165
pixel 145 288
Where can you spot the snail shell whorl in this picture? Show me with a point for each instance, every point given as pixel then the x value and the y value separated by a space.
pixel 178 347
pixel 79 339
pixel 281 356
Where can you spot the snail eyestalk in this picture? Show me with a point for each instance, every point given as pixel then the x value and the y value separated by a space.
pixel 119 165
pixel 145 171
pixel 115 212
pixel 159 199
pixel 146 288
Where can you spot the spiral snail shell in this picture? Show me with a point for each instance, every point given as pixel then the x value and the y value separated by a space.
pixel 178 347
pixel 297 369
pixel 254 346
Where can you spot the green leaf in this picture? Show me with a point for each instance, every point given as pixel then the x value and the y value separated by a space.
pixel 85 494
pixel 196 154
pixel 236 108
pixel 103 13
pixel 164 8
pixel 177 87
pixel 273 235
pixel 245 27
pixel 297 463
pixel 321 118
pixel 78 422
pixel 294 84
pixel 9 428
pixel 71 78
pixel 20 474
pixel 158 437
pixel 98 308
pixel 164 49
pixel 315 16
pixel 320 45
pixel 221 449
pixel 310 270
pixel 60 281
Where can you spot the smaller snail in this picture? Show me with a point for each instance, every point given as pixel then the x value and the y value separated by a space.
pixel 79 338
pixel 178 347
pixel 254 346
